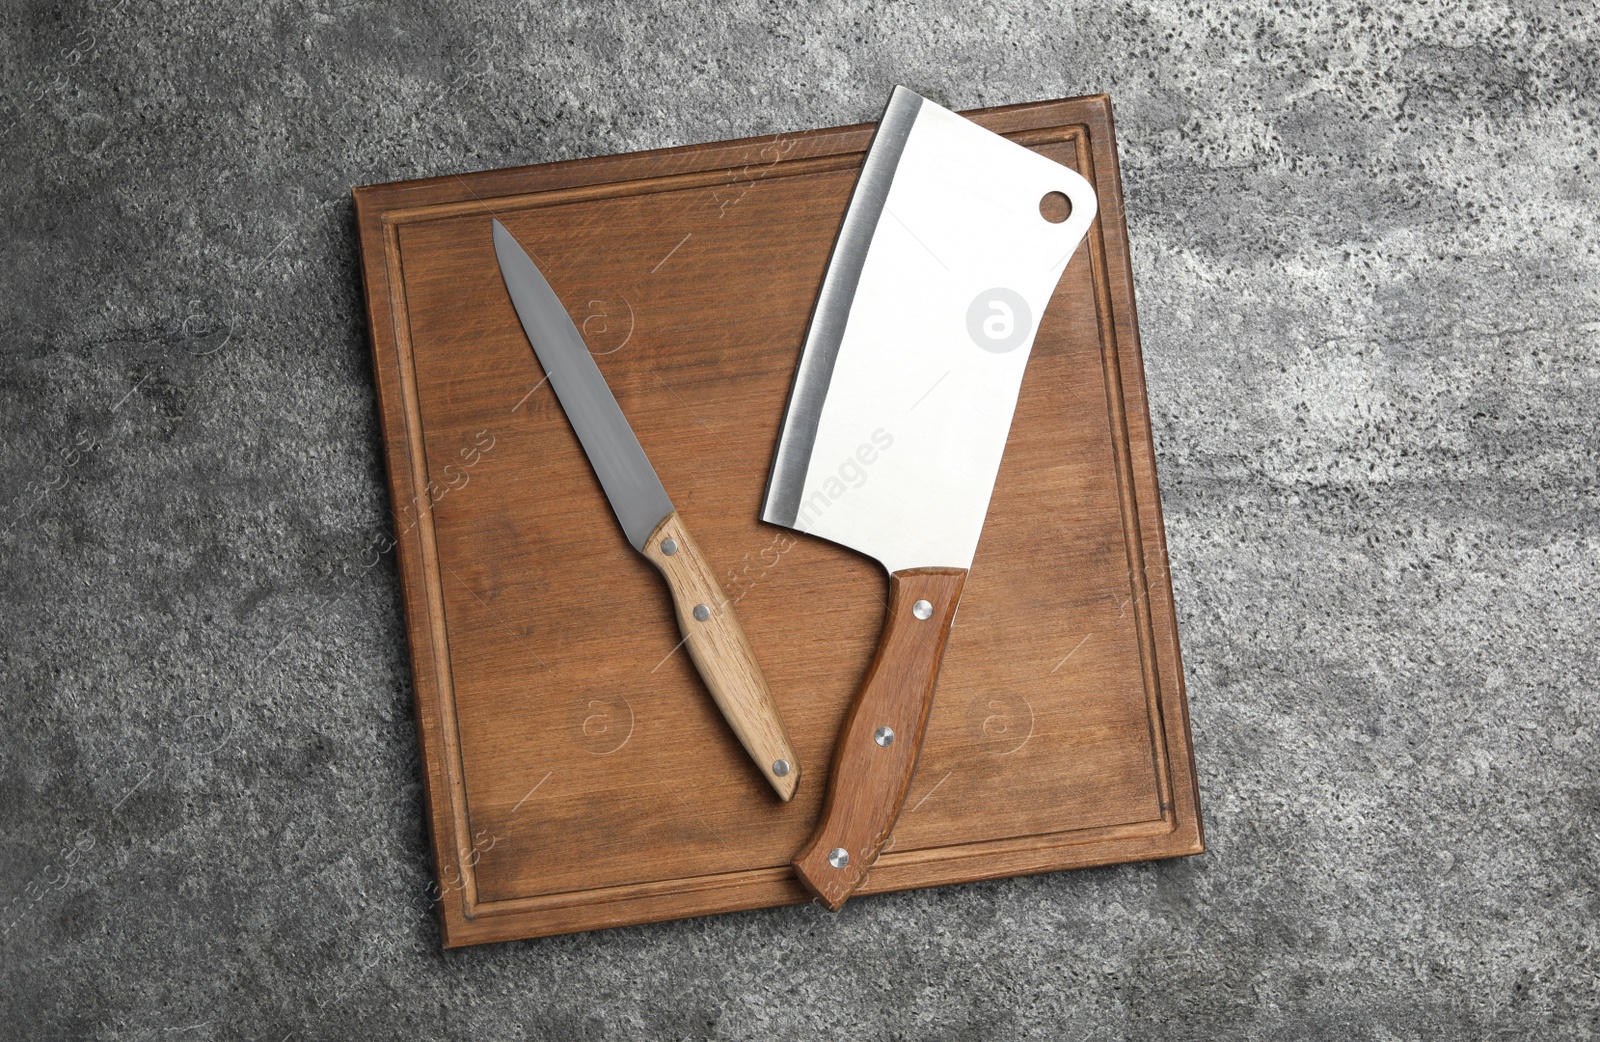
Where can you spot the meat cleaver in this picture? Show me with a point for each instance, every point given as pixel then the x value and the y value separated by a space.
pixel 951 247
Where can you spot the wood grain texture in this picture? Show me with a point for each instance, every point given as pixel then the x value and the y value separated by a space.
pixel 876 751
pixel 722 654
pixel 575 775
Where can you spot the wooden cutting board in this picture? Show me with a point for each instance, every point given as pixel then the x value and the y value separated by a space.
pixel 577 773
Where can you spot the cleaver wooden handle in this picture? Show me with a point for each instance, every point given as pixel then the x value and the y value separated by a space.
pixel 876 752
pixel 722 654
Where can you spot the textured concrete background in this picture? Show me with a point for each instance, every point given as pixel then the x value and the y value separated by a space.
pixel 1366 251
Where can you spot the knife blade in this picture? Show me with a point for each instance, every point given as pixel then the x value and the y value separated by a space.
pixel 712 632
pixel 898 417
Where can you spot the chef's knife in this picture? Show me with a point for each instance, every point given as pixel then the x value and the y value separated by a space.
pixel 715 639
pixel 899 413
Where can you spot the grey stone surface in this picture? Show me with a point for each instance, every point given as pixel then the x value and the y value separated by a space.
pixel 1365 244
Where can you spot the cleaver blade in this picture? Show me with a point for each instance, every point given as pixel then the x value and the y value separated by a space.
pixel 898 417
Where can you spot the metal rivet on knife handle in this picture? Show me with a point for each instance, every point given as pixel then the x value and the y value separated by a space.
pixel 884 736
pixel 922 610
pixel 701 612
pixel 839 857
pixel 669 546
pixel 780 767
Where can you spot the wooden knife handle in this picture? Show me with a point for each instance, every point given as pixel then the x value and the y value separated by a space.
pixel 876 752
pixel 722 654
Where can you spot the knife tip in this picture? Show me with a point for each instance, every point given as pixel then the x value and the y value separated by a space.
pixel 503 239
